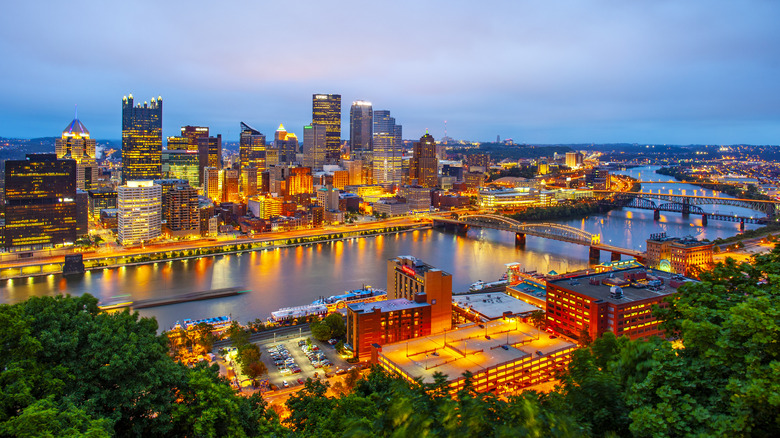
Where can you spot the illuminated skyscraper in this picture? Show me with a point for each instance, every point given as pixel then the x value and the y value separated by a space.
pixel 182 217
pixel 252 151
pixel 212 183
pixel 189 138
pixel 140 212
pixel 326 111
pixel 425 166
pixel 209 152
pixel 361 127
pixel 141 139
pixel 387 160
pixel 75 144
pixel 286 143
pixel 181 164
pixel 314 146
pixel 40 202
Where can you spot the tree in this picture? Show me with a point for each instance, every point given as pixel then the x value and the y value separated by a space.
pixel 320 331
pixel 238 336
pixel 538 319
pixel 336 323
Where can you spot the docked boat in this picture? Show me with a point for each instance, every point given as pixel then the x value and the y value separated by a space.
pixel 366 294
pixel 290 313
pixel 218 323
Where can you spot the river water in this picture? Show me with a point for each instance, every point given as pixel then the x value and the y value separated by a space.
pixel 297 276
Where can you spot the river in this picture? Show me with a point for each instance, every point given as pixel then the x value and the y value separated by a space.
pixel 297 276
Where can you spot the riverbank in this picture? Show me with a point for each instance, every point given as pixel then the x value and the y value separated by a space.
pixel 34 269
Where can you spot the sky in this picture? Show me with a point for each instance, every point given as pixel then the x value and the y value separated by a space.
pixel 538 72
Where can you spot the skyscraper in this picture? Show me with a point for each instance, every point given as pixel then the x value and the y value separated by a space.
pixel 326 111
pixel 314 145
pixel 182 217
pixel 361 127
pixel 140 212
pixel 75 144
pixel 425 166
pixel 387 159
pixel 286 144
pixel 141 139
pixel 209 152
pixel 40 202
pixel 251 151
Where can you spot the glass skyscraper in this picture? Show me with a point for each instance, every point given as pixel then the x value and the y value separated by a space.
pixel 361 127
pixel 141 139
pixel 326 111
pixel 388 149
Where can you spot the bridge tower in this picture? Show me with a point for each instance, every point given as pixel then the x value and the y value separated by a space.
pixel 593 256
pixel 656 214
pixel 704 220
pixel 686 207
pixel 742 225
pixel 519 240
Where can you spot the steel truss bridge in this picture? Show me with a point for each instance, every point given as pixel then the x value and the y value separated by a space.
pixel 563 233
pixel 687 204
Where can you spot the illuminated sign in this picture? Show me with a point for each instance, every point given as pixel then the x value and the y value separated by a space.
pixel 408 270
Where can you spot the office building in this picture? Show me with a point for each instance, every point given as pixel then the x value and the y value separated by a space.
pixel 188 141
pixel 230 185
pixel 182 216
pixel 387 160
pixel 478 162
pixel 212 184
pixel 502 356
pixel 141 140
pixel 249 179
pixel 100 199
pixel 76 145
pixel 573 160
pixel 408 277
pixel 617 301
pixel 596 178
pixel 424 167
pixel 40 202
pixel 326 111
pixel 265 207
pixel 299 181
pixel 686 256
pixel 385 322
pixel 140 212
pixel 251 148
pixel 361 128
pixel 314 146
pixel 209 153
pixel 181 164
pixel 417 198
pixel 286 145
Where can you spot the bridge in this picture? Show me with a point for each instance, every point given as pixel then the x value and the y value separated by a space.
pixel 687 204
pixel 563 233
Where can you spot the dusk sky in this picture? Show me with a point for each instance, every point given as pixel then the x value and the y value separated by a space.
pixel 535 71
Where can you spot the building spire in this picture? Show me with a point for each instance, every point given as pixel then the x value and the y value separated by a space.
pixel 76 111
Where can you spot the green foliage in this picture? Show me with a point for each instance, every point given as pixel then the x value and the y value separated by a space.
pixel 68 369
pixel 338 327
pixel 321 330
pixel 564 211
pixel 238 336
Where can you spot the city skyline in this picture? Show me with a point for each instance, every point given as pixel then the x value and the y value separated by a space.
pixel 660 72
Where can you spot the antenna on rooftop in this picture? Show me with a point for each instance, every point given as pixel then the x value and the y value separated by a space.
pixel 445 128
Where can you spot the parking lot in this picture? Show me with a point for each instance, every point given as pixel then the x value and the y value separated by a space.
pixel 284 359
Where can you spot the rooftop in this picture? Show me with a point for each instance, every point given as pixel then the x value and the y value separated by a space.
pixel 385 306
pixel 471 348
pixel 591 285
pixel 493 305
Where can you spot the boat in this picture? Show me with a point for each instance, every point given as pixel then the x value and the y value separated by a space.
pixel 477 286
pixel 365 294
pixel 323 306
pixel 218 323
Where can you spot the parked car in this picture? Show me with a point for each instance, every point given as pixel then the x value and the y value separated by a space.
pixel 301 381
pixel 285 384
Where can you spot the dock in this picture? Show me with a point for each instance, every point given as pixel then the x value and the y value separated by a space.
pixel 184 298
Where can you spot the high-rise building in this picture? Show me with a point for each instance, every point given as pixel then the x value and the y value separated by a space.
pixel 141 139
pixel 209 152
pixel 408 277
pixel 212 186
pixel 189 138
pixel 286 144
pixel 326 111
pixel 230 180
pixel 182 217
pixel 425 166
pixel 361 127
pixel 252 151
pixel 181 164
pixel 40 202
pixel 299 181
pixel 140 211
pixel 249 179
pixel 314 146
pixel 75 144
pixel 573 159
pixel 387 162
